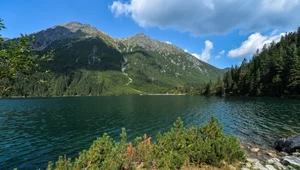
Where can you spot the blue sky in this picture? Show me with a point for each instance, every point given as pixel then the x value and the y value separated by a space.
pixel 221 33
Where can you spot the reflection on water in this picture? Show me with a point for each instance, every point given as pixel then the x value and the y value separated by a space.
pixel 34 131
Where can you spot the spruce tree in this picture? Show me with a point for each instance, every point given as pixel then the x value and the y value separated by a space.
pixel 294 71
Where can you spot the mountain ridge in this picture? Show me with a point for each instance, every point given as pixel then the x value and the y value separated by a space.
pixel 88 61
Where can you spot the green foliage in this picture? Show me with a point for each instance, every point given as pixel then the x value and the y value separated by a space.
pixel 180 147
pixel 209 89
pixel 79 83
pixel 18 63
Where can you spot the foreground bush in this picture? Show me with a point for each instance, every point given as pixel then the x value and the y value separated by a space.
pixel 180 147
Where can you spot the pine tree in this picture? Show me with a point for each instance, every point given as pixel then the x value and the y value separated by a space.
pixel 294 71
pixel 277 69
pixel 258 85
pixel 228 82
pixel 209 89
pixel 298 41
pixel 220 89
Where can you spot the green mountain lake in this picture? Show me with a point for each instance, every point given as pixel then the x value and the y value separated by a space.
pixel 37 130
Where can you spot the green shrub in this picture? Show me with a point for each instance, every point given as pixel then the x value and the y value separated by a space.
pixel 174 149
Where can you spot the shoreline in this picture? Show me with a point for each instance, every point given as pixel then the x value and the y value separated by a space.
pixel 33 97
pixel 164 94
pixel 262 158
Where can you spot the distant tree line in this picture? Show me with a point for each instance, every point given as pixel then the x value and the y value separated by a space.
pixel 273 71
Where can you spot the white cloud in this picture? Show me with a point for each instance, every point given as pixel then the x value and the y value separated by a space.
pixel 185 50
pixel 202 17
pixel 196 55
pixel 221 53
pixel 168 42
pixel 255 41
pixel 206 52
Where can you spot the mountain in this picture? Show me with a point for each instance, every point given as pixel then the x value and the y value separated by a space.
pixel 90 62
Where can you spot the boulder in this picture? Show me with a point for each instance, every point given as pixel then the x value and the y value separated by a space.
pixel 252 160
pixel 270 167
pixel 291 160
pixel 259 166
pixel 273 161
pixel 288 145
pixel 296 154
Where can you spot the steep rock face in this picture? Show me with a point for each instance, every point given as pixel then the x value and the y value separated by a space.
pixel 91 53
pixel 48 36
pixel 72 30
pixel 78 46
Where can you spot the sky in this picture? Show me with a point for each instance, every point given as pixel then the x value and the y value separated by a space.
pixel 219 32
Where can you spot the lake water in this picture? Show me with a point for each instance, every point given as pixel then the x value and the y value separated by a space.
pixel 35 131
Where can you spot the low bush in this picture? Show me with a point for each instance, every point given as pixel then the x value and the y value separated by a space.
pixel 180 147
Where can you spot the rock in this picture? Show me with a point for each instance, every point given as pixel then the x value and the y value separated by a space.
pixel 255 150
pixel 291 168
pixel 280 166
pixel 231 167
pixel 291 160
pixel 252 160
pixel 245 169
pixel 273 161
pixel 288 145
pixel 284 153
pixel 270 167
pixel 273 155
pixel 248 165
pixel 296 154
pixel 258 165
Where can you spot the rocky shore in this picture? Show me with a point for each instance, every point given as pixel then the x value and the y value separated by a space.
pixel 286 157
pixel 289 162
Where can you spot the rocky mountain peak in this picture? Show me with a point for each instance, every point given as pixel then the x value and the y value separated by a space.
pixel 141 35
pixel 6 39
pixel 69 30
pixel 74 24
pixel 77 26
pixel 149 44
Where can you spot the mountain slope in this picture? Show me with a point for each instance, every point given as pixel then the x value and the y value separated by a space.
pixel 150 62
pixel 90 62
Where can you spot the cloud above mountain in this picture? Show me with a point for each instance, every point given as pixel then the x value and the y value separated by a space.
pixel 206 52
pixel 206 17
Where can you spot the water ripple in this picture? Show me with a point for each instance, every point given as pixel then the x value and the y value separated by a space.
pixel 35 131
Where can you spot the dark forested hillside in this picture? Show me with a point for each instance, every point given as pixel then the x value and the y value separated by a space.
pixel 273 71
